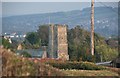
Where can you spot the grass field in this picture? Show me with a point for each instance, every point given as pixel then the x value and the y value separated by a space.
pixel 90 73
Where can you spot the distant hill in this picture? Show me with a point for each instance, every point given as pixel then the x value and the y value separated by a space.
pixel 106 20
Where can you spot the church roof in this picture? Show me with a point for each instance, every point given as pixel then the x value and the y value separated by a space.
pixel 32 52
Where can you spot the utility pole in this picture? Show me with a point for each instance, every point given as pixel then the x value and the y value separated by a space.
pixel 92 27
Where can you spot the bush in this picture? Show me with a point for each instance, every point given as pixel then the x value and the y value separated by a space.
pixel 91 66
pixel 6 43
pixel 26 54
pixel 77 65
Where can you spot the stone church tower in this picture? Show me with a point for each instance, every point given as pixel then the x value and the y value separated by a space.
pixel 58 46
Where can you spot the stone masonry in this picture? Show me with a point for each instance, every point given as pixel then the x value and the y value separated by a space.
pixel 58 46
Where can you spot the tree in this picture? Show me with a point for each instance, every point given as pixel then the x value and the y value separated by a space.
pixel 43 34
pixel 79 46
pixel 5 43
pixel 33 39
pixel 0 41
pixel 105 53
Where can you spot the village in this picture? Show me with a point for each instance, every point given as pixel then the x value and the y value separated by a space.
pixel 54 49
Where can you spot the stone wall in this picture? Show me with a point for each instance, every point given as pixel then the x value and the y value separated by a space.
pixel 58 46
pixel 62 42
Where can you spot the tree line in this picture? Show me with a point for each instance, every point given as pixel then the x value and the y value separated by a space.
pixel 78 44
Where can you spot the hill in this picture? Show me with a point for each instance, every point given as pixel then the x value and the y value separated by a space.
pixel 106 20
pixel 14 65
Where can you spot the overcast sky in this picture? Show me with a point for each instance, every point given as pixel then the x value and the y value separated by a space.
pixel 21 8
pixel 58 0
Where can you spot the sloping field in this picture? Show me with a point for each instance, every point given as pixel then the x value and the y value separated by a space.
pixel 14 65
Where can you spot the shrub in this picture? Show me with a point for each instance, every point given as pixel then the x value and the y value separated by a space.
pixel 91 66
pixel 77 65
pixel 5 43
pixel 14 65
pixel 26 54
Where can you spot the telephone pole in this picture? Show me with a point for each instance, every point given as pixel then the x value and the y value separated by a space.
pixel 92 27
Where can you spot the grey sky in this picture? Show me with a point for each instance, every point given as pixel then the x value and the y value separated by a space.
pixel 58 0
pixel 21 8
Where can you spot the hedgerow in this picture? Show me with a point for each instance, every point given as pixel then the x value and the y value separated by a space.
pixel 76 65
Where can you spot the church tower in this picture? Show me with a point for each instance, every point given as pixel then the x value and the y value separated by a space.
pixel 58 46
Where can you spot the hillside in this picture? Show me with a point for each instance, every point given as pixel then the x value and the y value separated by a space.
pixel 106 20
pixel 14 65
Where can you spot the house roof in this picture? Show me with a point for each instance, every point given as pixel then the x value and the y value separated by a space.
pixel 32 52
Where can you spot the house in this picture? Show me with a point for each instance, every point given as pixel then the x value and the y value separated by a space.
pixel 35 53
pixel 116 62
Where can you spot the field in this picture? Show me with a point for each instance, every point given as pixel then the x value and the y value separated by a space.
pixel 90 73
